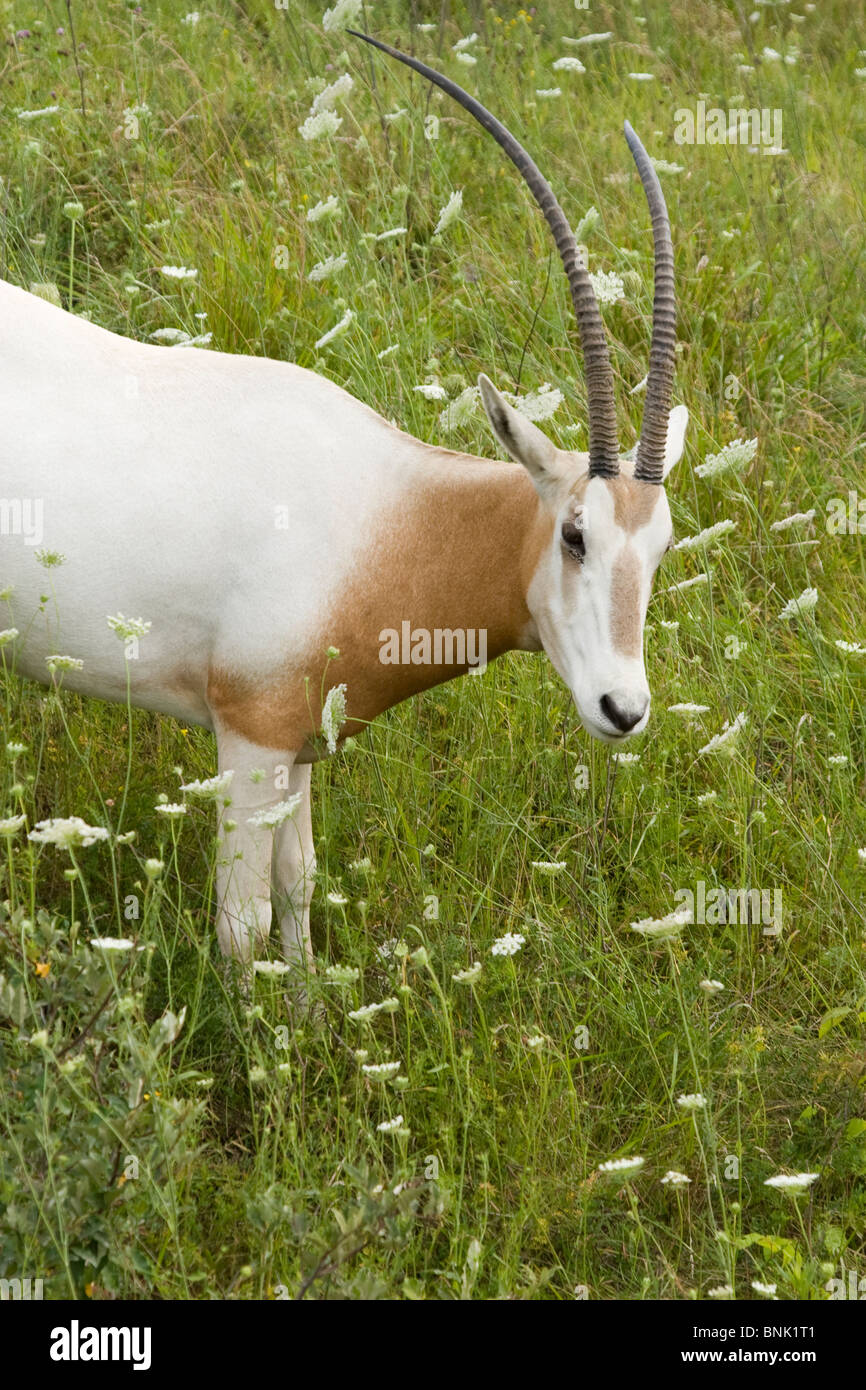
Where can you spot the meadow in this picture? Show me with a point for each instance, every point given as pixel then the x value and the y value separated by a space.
pixel 170 1131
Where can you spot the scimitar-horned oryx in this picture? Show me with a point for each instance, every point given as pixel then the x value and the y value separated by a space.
pixel 162 473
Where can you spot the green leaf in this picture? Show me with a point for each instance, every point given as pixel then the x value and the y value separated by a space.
pixel 831 1018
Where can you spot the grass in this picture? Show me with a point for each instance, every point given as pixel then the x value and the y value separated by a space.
pixel 230 1153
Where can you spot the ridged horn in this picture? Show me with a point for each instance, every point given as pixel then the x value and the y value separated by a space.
pixel 660 379
pixel 603 445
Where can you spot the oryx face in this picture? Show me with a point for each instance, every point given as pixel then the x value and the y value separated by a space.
pixel 590 589
pixel 611 523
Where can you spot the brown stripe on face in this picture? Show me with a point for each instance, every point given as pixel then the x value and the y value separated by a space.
pixel 634 501
pixel 625 603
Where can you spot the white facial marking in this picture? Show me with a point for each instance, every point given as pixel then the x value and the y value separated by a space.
pixel 589 599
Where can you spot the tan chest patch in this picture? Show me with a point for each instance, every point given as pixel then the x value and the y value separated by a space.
pixel 457 558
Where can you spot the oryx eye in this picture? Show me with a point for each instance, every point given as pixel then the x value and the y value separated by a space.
pixel 572 539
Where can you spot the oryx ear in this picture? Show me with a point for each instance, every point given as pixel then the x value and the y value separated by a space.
pixel 524 441
pixel 677 421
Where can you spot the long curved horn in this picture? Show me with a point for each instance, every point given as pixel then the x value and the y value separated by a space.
pixel 654 426
pixel 603 445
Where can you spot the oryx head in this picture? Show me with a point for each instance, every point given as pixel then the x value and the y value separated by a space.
pixel 611 521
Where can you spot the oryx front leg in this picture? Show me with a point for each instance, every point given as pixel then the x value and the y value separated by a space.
pixel 259 783
pixel 293 871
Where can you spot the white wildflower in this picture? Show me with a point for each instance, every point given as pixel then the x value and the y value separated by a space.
pixel 589 38
pixel 67 833
pixel 343 15
pixel 548 93
pixel 323 123
pixel 178 272
pixel 464 43
pixel 549 866
pixel 664 166
pixel 568 64
pixel 853 648
pixel 337 330
pixel 674 1179
pixel 394 1126
pixel 460 411
pixel 450 212
pixel 468 59
pixel 706 797
pixel 329 208
pixel 663 928
pixel 210 788
pixel 705 537
pixel 327 99
pixel 58 662
pixel 171 809
pixel 734 455
pixel 797 607
pixel 608 286
pixel 331 265
pixel 337 899
pixel 37 115
pixel 8 635
pixel 796 519
pixel 793 1183
pixel 688 709
pixel 171 335
pixel 272 816
pixel 342 975
pixel 726 739
pixel 380 1071
pixel 365 1014
pixel 711 986
pixel 127 628
pixel 11 825
pixel 111 943
pixel 432 391
pixel 622 1167
pixel 587 224
pixel 721 1291
pixel 507 945
pixel 768 1290
pixel 271 967
pixel 694 1101
pixel 537 405
pixel 334 715
pixel 642 76
pixel 688 583
pixel 468 976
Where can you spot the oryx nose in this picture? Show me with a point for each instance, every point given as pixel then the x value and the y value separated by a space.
pixel 624 711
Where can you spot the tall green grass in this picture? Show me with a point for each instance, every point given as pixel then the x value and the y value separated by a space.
pixel 259 1169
